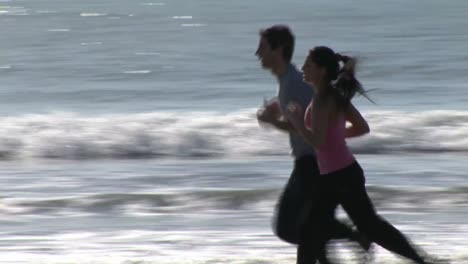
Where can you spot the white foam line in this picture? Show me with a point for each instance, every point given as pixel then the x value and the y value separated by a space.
pixel 90 43
pixel 153 4
pixel 138 72
pixel 93 14
pixel 148 53
pixel 182 17
pixel 58 30
pixel 192 25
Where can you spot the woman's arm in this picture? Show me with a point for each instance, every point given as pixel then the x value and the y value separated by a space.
pixel 283 125
pixel 358 126
pixel 319 115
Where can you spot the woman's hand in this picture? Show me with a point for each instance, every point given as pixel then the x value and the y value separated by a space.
pixel 315 135
pixel 295 112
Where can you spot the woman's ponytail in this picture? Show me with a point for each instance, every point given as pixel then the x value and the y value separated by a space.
pixel 340 73
pixel 346 84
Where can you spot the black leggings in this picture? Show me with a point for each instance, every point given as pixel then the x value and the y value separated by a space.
pixel 346 187
pixel 295 208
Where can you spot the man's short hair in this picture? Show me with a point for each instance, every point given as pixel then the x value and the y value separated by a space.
pixel 280 36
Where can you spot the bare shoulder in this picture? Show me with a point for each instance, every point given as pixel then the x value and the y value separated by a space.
pixel 325 103
pixel 322 101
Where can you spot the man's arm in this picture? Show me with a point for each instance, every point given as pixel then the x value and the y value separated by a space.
pixel 271 114
pixel 272 117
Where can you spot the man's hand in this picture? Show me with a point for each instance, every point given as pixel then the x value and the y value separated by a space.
pixel 270 112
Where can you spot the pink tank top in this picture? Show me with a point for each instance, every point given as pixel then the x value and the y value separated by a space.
pixel 334 154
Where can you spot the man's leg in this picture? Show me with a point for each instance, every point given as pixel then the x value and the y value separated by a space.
pixel 289 208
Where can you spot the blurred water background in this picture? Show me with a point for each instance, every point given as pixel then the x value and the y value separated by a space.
pixel 128 130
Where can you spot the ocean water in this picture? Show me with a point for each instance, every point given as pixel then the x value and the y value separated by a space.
pixel 128 130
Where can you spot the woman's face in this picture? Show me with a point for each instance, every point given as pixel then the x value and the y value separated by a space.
pixel 312 72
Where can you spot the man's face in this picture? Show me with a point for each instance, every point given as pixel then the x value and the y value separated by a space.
pixel 266 55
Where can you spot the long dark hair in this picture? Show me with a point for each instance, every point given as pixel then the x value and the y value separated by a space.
pixel 342 78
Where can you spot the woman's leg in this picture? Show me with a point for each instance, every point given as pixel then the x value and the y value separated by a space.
pixel 316 233
pixel 321 225
pixel 355 201
pixel 308 176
